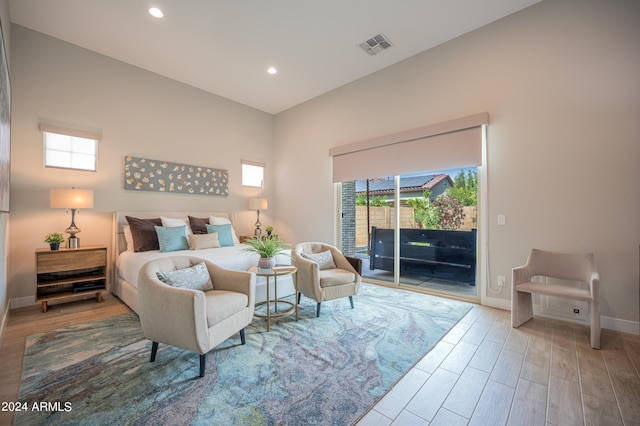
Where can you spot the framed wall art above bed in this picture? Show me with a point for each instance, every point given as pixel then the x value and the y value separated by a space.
pixel 143 174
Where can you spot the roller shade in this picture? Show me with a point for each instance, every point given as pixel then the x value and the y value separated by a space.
pixel 86 134
pixel 449 145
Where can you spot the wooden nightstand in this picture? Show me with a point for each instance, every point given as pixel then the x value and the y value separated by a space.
pixel 66 273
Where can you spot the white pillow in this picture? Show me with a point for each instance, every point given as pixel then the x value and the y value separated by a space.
pixel 128 237
pixel 194 278
pixel 213 220
pixel 203 241
pixel 171 222
pixel 323 259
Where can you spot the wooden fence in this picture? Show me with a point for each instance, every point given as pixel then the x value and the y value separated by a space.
pixel 384 217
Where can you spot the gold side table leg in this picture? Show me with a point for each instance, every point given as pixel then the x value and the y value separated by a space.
pixel 295 295
pixel 275 292
pixel 268 307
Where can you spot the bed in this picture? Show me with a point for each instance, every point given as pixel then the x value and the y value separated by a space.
pixel 126 262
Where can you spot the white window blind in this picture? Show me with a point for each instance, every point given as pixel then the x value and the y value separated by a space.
pixel 252 174
pixel 70 148
pixel 449 145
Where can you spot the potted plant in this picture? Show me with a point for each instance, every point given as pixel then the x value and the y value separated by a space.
pixel 267 248
pixel 269 230
pixel 54 239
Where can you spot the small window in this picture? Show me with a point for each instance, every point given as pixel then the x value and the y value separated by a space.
pixel 252 174
pixel 70 152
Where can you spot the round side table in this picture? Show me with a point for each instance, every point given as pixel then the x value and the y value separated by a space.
pixel 275 272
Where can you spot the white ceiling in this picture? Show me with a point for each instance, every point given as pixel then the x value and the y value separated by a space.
pixel 225 46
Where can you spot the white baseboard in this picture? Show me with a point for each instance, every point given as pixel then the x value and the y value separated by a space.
pixel 21 302
pixel 624 326
pixel 616 324
pixel 495 302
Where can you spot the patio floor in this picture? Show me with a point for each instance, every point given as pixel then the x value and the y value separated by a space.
pixel 453 287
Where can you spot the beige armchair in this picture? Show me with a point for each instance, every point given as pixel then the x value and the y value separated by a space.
pixel 195 320
pixel 565 266
pixel 329 277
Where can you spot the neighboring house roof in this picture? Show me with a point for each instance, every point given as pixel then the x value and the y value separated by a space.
pixel 410 183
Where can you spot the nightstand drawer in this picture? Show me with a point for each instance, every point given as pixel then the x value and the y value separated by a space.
pixel 60 260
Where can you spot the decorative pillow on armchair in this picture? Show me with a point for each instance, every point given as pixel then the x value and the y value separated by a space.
pixel 323 259
pixel 194 278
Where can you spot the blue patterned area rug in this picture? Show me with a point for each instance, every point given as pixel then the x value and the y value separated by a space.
pixel 316 371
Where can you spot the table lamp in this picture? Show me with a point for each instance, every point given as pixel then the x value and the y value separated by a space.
pixel 258 204
pixel 71 199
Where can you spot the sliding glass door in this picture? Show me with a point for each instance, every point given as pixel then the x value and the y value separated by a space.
pixel 416 230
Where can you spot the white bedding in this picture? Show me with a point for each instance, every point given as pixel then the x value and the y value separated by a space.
pixel 128 263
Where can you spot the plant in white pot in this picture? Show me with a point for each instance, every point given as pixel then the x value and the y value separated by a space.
pixel 267 248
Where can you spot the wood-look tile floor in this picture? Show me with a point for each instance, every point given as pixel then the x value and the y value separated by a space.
pixel 483 372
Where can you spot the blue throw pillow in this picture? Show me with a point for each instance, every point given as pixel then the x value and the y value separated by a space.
pixel 172 238
pixel 225 237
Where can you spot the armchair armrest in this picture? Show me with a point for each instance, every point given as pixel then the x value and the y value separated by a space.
pixel 356 263
pixel 520 274
pixel 594 286
pixel 307 275
pixel 187 329
pixel 238 281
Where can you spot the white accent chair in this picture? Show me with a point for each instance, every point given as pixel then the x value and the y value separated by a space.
pixel 565 266
pixel 326 284
pixel 193 319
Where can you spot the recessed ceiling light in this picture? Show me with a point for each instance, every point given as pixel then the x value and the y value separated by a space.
pixel 272 70
pixel 155 12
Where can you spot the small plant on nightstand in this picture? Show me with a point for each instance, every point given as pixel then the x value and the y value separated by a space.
pixel 54 239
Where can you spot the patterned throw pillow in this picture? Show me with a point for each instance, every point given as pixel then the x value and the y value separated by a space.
pixel 323 259
pixel 194 278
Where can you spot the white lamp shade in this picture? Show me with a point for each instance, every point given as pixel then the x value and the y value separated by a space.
pixel 62 198
pixel 258 204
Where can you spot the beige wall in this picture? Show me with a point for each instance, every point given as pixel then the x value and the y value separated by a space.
pixel 139 113
pixel 560 81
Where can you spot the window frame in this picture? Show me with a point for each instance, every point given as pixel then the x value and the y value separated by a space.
pixel 73 136
pixel 252 164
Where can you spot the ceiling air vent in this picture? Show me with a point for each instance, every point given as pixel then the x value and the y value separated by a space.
pixel 376 44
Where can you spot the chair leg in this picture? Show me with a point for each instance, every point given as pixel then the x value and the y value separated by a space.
pixel 595 325
pixel 242 339
pixel 351 301
pixel 521 308
pixel 203 364
pixel 154 351
pixel 318 310
pixel 299 296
